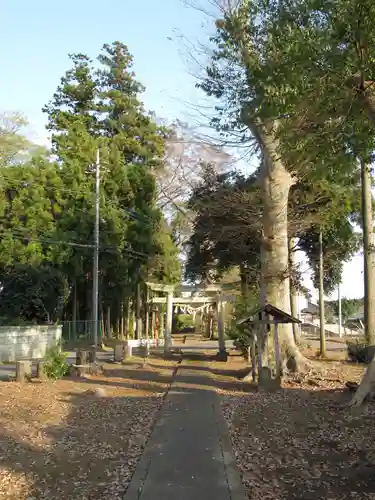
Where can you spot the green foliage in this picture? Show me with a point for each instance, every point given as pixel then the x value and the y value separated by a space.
pixel 47 207
pixel 241 335
pixel 55 363
pixel 226 229
pixel 182 322
pixel 32 294
pixel 349 307
pixel 360 352
pixel 265 100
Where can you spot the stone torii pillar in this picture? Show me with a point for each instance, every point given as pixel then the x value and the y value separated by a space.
pixel 222 354
pixel 168 326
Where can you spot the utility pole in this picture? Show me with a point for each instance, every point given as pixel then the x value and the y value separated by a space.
pixel 95 284
pixel 321 298
pixel 340 313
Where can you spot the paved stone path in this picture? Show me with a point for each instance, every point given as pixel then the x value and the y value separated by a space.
pixel 188 456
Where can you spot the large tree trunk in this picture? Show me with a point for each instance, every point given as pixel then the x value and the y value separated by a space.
pixel 138 313
pixel 322 325
pixel 366 95
pixel 367 385
pixel 368 253
pixel 292 286
pixel 276 182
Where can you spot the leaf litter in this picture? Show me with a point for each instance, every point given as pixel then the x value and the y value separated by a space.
pixel 79 438
pixel 301 442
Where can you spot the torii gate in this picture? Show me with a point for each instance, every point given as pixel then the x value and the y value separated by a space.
pixel 171 300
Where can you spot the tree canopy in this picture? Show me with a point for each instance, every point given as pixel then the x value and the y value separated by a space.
pixel 47 205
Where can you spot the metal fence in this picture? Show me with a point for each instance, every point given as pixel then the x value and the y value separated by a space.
pixel 80 331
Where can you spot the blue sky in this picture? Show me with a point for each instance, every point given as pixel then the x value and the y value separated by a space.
pixel 40 34
pixel 37 36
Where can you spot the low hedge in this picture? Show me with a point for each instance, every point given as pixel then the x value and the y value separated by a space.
pixel 360 352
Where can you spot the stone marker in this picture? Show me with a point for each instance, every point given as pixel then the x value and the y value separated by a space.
pixel 23 370
pixel 92 356
pixel 40 371
pixel 95 369
pixel 119 352
pixel 267 382
pixel 128 352
pixel 145 350
pixel 82 357
pixel 98 392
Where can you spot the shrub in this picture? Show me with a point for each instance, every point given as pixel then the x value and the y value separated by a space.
pixel 360 352
pixel 241 335
pixel 56 365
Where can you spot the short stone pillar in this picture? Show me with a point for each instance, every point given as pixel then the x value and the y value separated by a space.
pixel 23 370
pixel 119 353
pixel 40 371
pixel 83 357
pixel 145 350
pixel 127 351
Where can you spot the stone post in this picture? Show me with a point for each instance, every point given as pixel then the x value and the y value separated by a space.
pixel 23 370
pixel 40 370
pixel 119 353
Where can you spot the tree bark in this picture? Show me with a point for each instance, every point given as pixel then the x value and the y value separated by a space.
pixel 367 98
pixel 75 303
pixel 367 385
pixel 128 305
pixel 368 254
pixel 138 330
pixel 276 182
pixel 293 289
pixel 109 322
pixel 244 284
pixel 322 327
pixel 122 320
pixel 147 313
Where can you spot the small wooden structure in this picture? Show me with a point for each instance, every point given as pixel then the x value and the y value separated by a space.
pixel 265 317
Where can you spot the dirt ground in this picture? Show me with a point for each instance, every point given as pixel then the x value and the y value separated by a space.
pixel 82 438
pixel 300 442
pixel 78 438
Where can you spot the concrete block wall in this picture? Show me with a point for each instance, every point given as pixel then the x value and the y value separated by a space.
pixel 27 342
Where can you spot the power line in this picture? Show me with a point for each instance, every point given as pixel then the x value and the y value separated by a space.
pixel 33 239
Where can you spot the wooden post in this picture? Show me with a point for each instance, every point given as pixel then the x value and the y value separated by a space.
pixel 147 313
pixel 153 318
pixel 122 320
pixel 138 321
pixel 108 322
pixel 260 347
pixel 133 320
pixel 253 358
pixel 161 327
pixel 266 353
pixel 277 351
pixel 75 307
pixel 23 370
pixel 128 318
